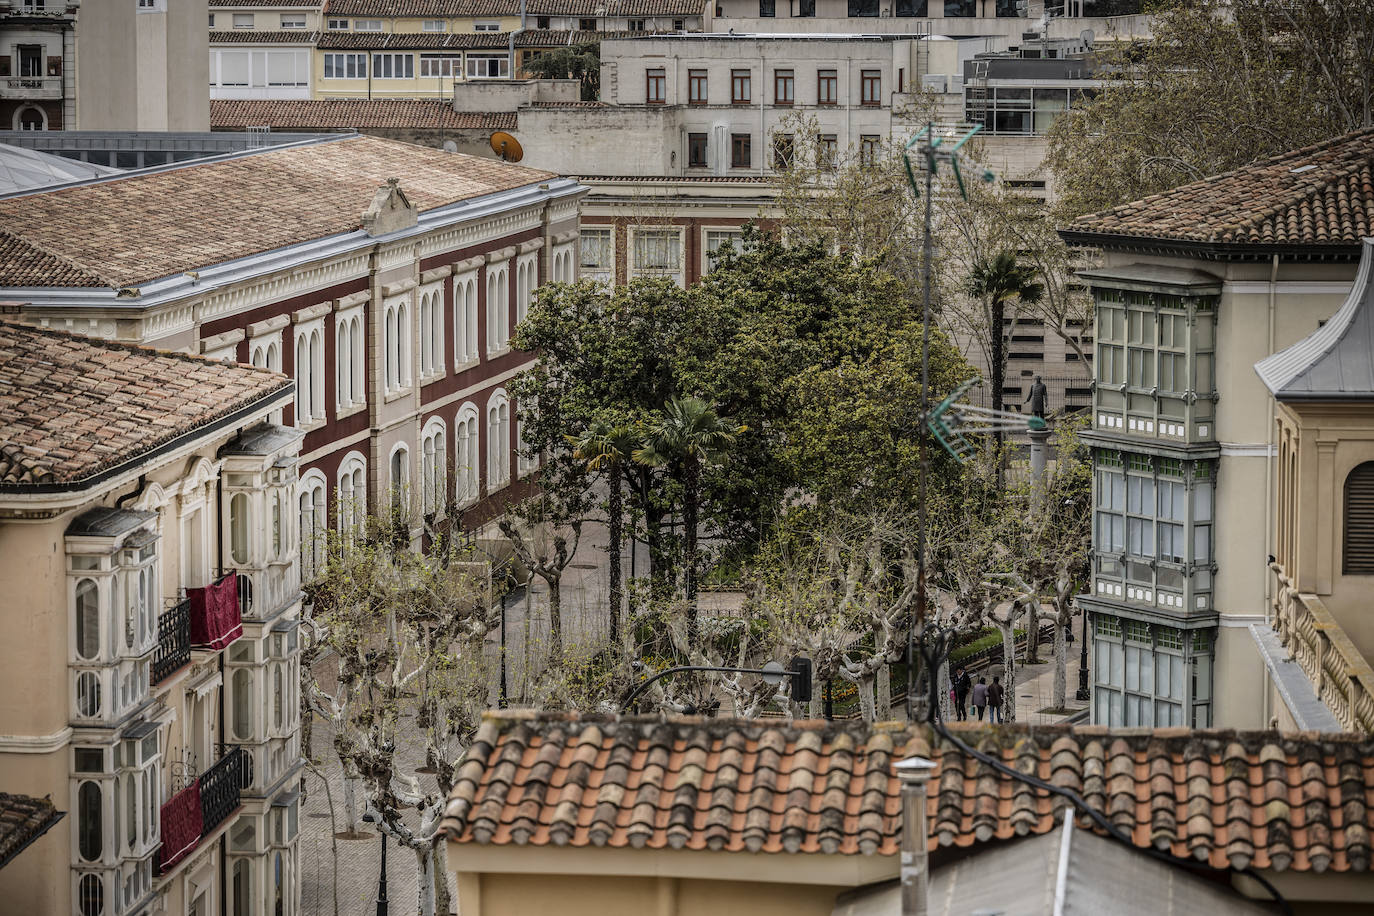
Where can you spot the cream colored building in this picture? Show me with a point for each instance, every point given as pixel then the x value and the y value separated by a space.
pixel 1198 285
pixel 161 717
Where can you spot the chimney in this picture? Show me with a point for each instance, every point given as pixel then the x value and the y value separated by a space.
pixel 914 773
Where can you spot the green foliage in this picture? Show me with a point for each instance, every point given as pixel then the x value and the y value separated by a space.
pixel 579 62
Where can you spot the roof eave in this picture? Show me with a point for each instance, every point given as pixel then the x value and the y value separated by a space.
pixel 1211 251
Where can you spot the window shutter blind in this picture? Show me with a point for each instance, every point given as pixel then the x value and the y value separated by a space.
pixel 1359 520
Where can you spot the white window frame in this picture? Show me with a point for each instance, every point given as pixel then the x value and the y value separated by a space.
pixel 433 25
pixel 393 65
pixel 338 25
pixel 466 347
pixel 338 62
pixel 368 25
pixel 431 299
pixel 602 273
pixel 243 21
pixel 635 271
pixel 313 520
pixel 441 66
pixel 526 282
pixel 350 360
pixel 292 20
pixel 486 26
pixel 564 269
pixel 308 340
pixel 467 451
pixel 473 62
pixel 498 307
pixel 434 467
pixel 398 491
pixel 351 493
pixel 524 464
pixel 736 234
pixel 397 354
pixel 498 440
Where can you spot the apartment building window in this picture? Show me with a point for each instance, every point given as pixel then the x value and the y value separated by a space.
pixel 739 87
pixel 337 25
pixel 541 22
pixel 312 517
pixel 309 372
pixel 910 8
pixel 741 154
pixel 526 282
pixel 396 346
pixel 782 151
pixel 961 9
pixel 467 459
pixel 367 25
pixel 784 87
pixel 768 9
pixel 345 66
pixel 433 467
pixel 212 20
pixel 696 151
pixel 432 25
pixel 863 8
pixel 488 66
pixel 498 442
pixel 717 240
pixel 655 86
pixel 498 307
pixel 30 61
pixel 292 21
pixel 1020 111
pixel 806 9
pixel 596 253
pixel 872 82
pixel 657 253
pixel 678 25
pixel 869 150
pixel 637 25
pixel 1357 539
pixel 352 500
pixel 465 348
pixel 243 20
pixel 486 27
pixel 431 331
pixel 393 66
pixel 827 87
pixel 696 87
pixel 400 478
pixel 349 347
pixel 827 151
pixel 1150 674
pixel 441 65
pixel 586 25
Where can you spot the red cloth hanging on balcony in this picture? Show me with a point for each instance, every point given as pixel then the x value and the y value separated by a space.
pixel 215 613
pixel 181 825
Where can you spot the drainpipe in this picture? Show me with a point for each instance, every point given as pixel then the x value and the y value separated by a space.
pixel 1269 539
pixel 513 33
pixel 914 773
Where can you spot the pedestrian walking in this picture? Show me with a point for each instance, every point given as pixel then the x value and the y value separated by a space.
pixel 980 697
pixel 995 701
pixel 962 685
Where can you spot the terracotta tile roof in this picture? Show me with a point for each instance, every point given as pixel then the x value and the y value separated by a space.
pixel 130 230
pixel 1226 799
pixel 23 820
pixel 253 37
pixel 1318 195
pixel 461 41
pixel 358 114
pixel 272 4
pixel 435 9
pixel 72 407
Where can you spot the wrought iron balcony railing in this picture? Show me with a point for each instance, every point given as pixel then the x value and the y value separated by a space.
pixel 220 787
pixel 173 641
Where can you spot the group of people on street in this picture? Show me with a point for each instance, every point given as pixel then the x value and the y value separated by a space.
pixel 986 697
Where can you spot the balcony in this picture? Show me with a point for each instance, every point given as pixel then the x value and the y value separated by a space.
pixel 194 813
pixel 215 613
pixel 173 641
pixel 35 88
pixel 1340 675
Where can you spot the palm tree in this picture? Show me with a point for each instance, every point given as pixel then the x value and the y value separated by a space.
pixel 689 435
pixel 997 281
pixel 602 445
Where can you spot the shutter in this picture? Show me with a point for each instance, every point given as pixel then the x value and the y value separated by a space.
pixel 1359 521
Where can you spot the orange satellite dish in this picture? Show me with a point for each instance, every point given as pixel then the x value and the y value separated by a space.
pixel 506 146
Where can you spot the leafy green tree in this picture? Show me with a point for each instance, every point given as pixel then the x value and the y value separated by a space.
pixel 579 62
pixel 1221 84
pixel 609 448
pixel 994 281
pixel 689 435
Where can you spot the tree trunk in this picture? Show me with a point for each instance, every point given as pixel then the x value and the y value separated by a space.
pixel 691 486
pixel 659 567
pixel 555 614
pixel 443 903
pixel 615 525
pixel 424 862
pixel 999 373
pixel 864 686
pixel 1008 631
pixel 883 712
pixel 1033 633
pixel 1060 660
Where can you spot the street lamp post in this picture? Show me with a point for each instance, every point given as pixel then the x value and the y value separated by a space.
pixel 383 905
pixel 1084 693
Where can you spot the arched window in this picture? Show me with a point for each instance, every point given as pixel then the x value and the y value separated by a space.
pixel 317 373
pixel 400 477
pixel 359 361
pixel 279 891
pixel 243 887
pixel 498 441
pixel 87 619
pixel 302 380
pixel 90 827
pixel 1359 521
pixel 435 466
pixel 525 461
pixel 278 691
pixel 242 692
pixel 312 523
pixel 92 894
pixel 432 332
pixel 343 363
pixel 238 528
pixel 464 319
pixel 30 118
pixel 498 308
pixel 468 458
pixel 352 493
pixel 397 345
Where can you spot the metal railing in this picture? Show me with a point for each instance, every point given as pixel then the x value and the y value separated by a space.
pixel 173 641
pixel 220 787
pixel 1341 676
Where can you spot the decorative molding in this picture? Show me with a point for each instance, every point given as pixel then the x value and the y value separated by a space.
pixel 531 245
pixel 401 286
pixel 501 254
pixel 564 238
pixel 284 285
pixel 398 255
pixel 1247 450
pixel 267 326
pixel 311 312
pixel 436 273
pixel 220 341
pixel 352 299
pixel 468 265
pixel 35 744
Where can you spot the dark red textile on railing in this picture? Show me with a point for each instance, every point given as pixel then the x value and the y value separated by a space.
pixel 181 825
pixel 215 613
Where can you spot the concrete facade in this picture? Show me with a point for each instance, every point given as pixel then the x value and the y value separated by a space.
pixel 37 66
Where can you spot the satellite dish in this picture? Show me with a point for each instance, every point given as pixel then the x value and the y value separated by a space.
pixel 506 146
pixel 450 146
pixel 1086 36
